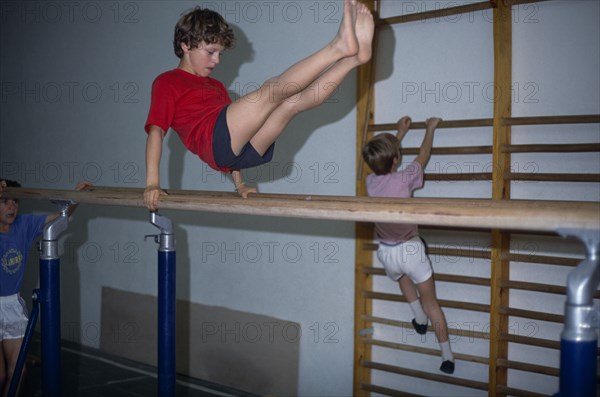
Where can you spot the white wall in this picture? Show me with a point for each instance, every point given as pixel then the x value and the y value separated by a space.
pixel 76 80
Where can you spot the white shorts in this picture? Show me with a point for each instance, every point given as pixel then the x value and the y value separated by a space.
pixel 409 257
pixel 13 317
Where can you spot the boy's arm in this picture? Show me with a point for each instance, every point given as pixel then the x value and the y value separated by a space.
pixel 426 145
pixel 240 186
pixel 153 153
pixel 403 127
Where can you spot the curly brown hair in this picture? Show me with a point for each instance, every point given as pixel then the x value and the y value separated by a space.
pixel 201 25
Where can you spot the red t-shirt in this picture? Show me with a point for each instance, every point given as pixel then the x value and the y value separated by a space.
pixel 190 105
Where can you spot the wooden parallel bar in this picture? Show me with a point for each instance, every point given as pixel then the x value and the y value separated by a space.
pixel 453 380
pixel 533 215
pixel 467 123
pixel 566 148
pixel 437 13
pixel 424 350
pixel 542 120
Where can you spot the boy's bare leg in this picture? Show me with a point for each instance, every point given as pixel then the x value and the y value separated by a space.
pixel 432 308
pixel 408 288
pixel 322 88
pixel 248 114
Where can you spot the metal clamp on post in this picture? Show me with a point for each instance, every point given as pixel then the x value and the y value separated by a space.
pixel 49 244
pixel 166 238
pixel 579 339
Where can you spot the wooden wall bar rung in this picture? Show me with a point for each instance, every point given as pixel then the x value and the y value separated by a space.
pixel 437 13
pixel 477 307
pixel 423 350
pixel 531 215
pixel 425 375
pixel 568 148
pixel 535 287
pixel 551 177
pixel 542 120
pixel 538 369
pixel 463 333
pixel 532 315
pixel 469 280
pixel 511 391
pixel 485 254
pixel 527 340
pixel 487 122
pixel 545 259
pixel 463 176
pixel 443 124
pixel 386 391
pixel 451 150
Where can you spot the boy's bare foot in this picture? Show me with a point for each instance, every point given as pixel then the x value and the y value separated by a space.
pixel 346 41
pixel 365 28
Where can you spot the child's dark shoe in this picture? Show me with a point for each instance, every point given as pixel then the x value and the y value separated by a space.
pixel 420 328
pixel 447 367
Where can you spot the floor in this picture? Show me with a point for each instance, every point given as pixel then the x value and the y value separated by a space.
pixel 92 373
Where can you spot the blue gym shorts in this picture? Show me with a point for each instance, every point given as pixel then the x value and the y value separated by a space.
pixel 224 156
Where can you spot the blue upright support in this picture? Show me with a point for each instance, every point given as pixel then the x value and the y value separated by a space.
pixel 49 297
pixel 579 340
pixel 166 305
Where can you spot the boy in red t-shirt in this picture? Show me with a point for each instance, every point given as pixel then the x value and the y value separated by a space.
pixel 230 136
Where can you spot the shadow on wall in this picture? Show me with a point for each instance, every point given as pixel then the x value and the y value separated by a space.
pixel 249 352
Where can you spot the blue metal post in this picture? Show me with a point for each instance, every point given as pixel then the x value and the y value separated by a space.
pixel 50 302
pixel 579 341
pixel 166 305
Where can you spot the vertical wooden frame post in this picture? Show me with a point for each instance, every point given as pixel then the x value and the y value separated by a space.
pixel 500 264
pixel 363 231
